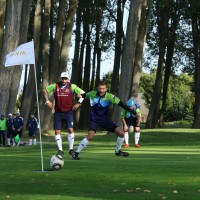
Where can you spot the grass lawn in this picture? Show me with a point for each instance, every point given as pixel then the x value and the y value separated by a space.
pixel 166 166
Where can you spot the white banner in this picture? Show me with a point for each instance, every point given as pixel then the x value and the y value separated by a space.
pixel 24 54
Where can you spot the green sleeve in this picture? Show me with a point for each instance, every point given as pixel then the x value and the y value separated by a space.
pixel 138 112
pixel 91 94
pixel 122 114
pixel 113 99
pixel 51 88
pixel 76 89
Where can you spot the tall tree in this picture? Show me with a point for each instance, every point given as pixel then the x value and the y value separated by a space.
pixel 196 43
pixel 118 46
pixel 24 31
pixel 174 18
pixel 162 11
pixel 10 77
pixel 29 99
pixel 128 55
pixel 76 68
pixel 56 44
pixel 143 28
pixel 66 43
pixel 2 16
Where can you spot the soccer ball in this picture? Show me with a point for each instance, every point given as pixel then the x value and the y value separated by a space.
pixel 56 163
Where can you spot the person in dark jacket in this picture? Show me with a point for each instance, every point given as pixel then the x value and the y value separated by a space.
pixel 32 128
pixel 10 133
pixel 17 127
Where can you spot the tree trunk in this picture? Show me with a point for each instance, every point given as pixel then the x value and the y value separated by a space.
pixel 29 100
pixel 118 47
pixel 168 67
pixel 196 42
pixel 67 36
pixel 86 80
pixel 94 64
pixel 44 111
pixel 24 24
pixel 76 68
pixel 162 18
pixel 56 45
pixel 2 16
pixel 10 77
pixel 128 55
pixel 143 28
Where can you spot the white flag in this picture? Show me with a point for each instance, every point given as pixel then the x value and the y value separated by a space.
pixel 24 54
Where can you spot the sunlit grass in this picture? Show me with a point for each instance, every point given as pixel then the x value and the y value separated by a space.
pixel 165 167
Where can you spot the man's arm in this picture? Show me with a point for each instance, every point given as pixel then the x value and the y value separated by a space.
pixel 47 102
pixel 80 100
pixel 126 108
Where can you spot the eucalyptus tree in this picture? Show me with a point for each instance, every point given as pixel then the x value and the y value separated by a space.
pixel 194 12
pixel 162 17
pixel 15 33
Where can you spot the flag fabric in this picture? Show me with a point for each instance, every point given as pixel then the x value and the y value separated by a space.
pixel 23 54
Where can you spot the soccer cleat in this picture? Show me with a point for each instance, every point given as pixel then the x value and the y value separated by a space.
pixel 121 153
pixel 126 146
pixel 71 152
pixel 75 156
pixel 60 154
pixel 136 145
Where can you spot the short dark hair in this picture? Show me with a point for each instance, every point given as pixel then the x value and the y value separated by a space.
pixel 102 82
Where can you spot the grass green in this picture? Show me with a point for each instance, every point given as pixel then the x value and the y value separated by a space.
pixel 165 167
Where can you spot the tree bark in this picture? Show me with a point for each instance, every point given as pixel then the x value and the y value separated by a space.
pixel 128 55
pixel 162 18
pixel 2 17
pixel 56 45
pixel 10 77
pixel 76 68
pixel 67 36
pixel 143 28
pixel 196 49
pixel 168 67
pixel 118 47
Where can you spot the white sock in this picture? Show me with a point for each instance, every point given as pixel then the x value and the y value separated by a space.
pixel 9 141
pixel 18 143
pixel 126 137
pixel 58 139
pixel 30 141
pixel 119 144
pixel 34 141
pixel 13 142
pixel 71 140
pixel 82 145
pixel 137 137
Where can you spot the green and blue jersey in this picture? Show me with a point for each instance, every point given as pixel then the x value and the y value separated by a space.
pixel 127 114
pixel 99 105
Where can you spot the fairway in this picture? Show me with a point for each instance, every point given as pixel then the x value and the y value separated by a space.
pixel 166 166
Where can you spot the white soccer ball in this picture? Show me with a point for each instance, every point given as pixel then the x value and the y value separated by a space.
pixel 56 163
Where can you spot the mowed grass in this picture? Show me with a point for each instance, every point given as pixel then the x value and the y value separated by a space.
pixel 167 166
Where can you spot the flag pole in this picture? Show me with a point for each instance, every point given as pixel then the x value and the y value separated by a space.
pixel 38 109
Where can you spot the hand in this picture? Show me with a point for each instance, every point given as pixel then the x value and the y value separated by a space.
pixel 49 104
pixel 125 128
pixel 79 96
pixel 76 106
pixel 137 129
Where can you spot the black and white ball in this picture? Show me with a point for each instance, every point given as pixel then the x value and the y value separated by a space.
pixel 56 163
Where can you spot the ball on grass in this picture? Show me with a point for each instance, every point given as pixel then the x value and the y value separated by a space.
pixel 56 163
